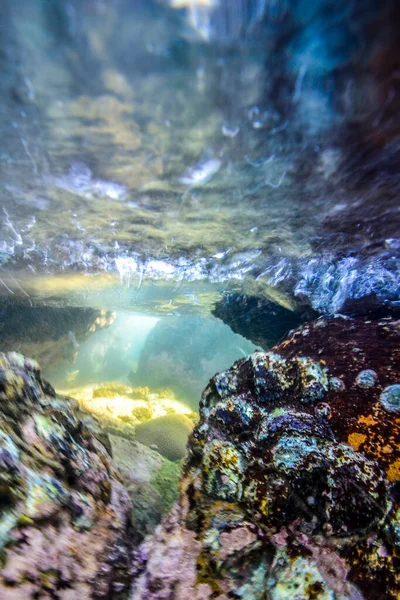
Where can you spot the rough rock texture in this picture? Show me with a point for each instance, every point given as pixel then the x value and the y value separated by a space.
pixel 261 320
pixel 290 490
pixel 357 413
pixel 150 480
pixel 64 513
pixel 183 353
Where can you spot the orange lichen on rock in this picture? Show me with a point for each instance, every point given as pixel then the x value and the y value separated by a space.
pixel 280 504
pixel 357 413
pixel 356 440
pixel 367 420
pixel 393 472
pixel 377 434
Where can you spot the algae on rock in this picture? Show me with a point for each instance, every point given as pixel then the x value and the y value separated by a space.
pixel 169 434
pixel 151 482
pixel 65 515
pixel 290 486
pixel 123 409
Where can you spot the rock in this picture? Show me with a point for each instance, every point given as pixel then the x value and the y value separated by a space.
pixel 290 488
pixel 151 482
pixel 122 408
pixel 64 512
pixel 113 389
pixel 261 320
pixel 49 334
pixel 183 353
pixel 136 462
pixel 371 306
pixel 170 435
pixel 354 350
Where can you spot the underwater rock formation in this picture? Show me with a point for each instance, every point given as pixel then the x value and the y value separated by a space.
pixel 363 359
pixel 290 489
pixel 169 434
pixel 121 409
pixel 49 334
pixel 64 512
pixel 178 354
pixel 260 320
pixel 150 480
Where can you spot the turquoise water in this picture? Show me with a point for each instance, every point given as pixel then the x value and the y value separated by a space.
pixel 156 159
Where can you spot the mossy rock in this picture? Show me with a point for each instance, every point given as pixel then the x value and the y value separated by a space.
pixel 59 492
pixel 142 413
pixel 151 480
pixel 142 392
pixel 166 483
pixel 152 501
pixel 111 390
pixel 169 433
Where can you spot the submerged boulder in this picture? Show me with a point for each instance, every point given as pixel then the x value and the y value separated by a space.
pixel 150 480
pixel 49 334
pixel 291 486
pixel 64 512
pixel 169 434
pixel 129 413
pixel 264 321
pixel 363 359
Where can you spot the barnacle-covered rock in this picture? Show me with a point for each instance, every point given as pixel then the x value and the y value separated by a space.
pixel 365 358
pixel 64 513
pixel 278 499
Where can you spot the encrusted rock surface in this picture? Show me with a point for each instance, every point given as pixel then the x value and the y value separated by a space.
pixel 151 481
pixel 64 513
pixel 291 487
pixel 363 359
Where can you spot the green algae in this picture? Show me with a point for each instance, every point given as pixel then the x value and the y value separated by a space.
pixel 166 483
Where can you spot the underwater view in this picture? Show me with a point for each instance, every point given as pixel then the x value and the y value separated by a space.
pixel 200 300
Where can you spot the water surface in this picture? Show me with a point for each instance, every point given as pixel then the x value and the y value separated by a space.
pixel 132 148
